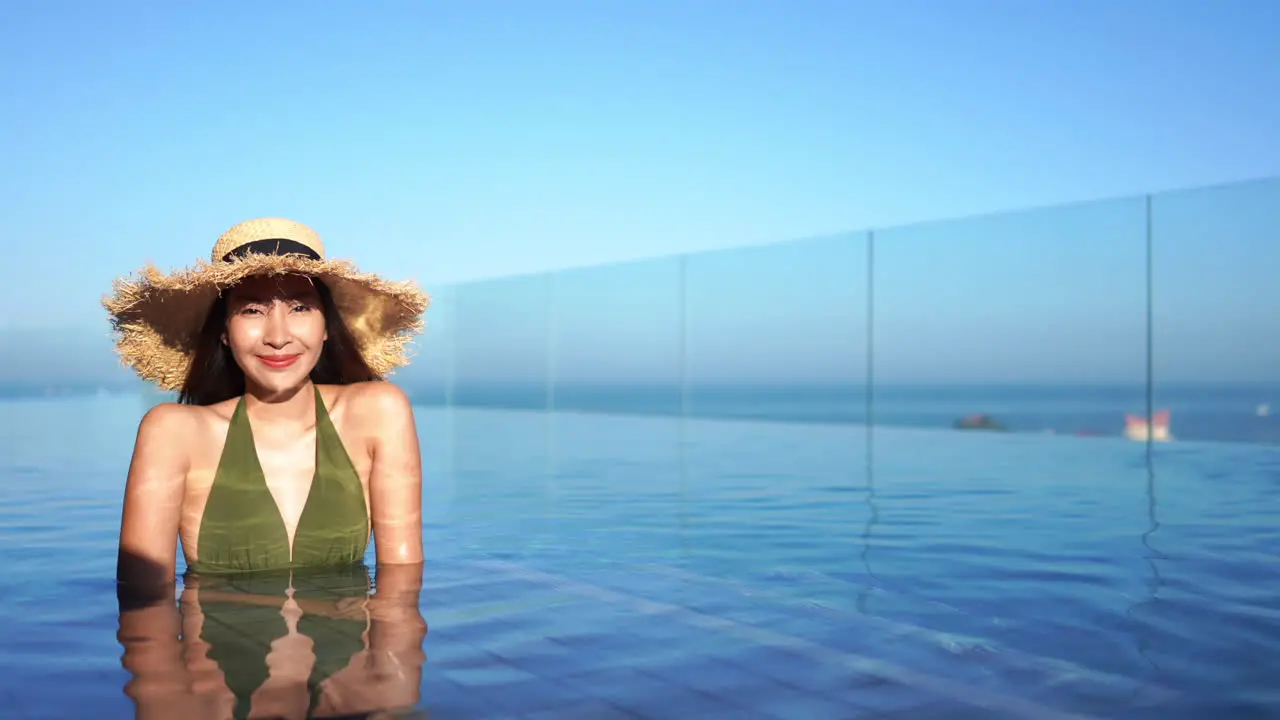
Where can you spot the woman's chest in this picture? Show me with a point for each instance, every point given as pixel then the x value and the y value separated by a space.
pixel 275 486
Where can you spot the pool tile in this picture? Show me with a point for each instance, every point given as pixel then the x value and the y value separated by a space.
pixel 620 684
pixel 557 611
pixel 546 658
pixel 11 703
pixel 1097 697
pixel 476 631
pixel 852 634
pixel 663 629
pixel 498 586
pixel 444 699
pixel 652 697
pixel 455 594
pixel 799 670
pixel 775 699
pixel 534 695
pixel 892 697
pixel 706 674
pixel 914 712
pixel 682 638
pixel 520 609
pixel 958 711
pixel 733 608
pixel 444 654
pixel 490 675
pixel 582 710
pixel 444 573
pixel 609 649
pixel 676 701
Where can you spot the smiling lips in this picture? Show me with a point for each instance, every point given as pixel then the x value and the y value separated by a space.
pixel 279 361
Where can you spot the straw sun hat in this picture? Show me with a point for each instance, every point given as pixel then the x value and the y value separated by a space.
pixel 157 316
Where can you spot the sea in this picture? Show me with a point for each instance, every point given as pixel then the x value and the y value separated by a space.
pixel 728 552
pixel 1231 412
pixel 1215 411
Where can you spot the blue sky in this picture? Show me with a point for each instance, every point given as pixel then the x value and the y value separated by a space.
pixel 449 142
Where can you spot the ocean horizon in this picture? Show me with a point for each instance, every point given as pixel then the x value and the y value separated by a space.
pixel 1200 411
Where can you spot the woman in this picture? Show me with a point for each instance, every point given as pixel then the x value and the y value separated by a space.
pixel 286 448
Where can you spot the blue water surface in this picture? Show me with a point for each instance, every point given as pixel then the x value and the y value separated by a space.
pixel 594 566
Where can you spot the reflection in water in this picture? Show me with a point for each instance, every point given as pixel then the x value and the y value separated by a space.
pixel 1150 555
pixel 873 517
pixel 310 644
pixel 1153 524
pixel 682 512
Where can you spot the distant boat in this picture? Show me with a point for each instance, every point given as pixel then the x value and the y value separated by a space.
pixel 1156 430
pixel 979 422
pixel 1264 410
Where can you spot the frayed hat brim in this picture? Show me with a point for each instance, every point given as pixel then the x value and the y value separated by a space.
pixel 158 316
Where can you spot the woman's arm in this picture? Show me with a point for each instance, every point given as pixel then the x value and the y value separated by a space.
pixel 153 501
pixel 395 482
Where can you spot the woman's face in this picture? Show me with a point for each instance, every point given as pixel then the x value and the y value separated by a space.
pixel 275 330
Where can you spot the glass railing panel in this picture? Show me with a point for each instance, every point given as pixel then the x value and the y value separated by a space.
pixel 1025 322
pixel 1216 313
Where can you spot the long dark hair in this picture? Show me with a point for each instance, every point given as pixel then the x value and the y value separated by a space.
pixel 214 375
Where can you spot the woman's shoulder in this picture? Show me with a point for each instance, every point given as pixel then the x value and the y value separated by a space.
pixel 373 394
pixel 171 419
pixel 161 451
pixel 372 404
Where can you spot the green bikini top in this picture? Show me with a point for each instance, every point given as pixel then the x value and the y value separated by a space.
pixel 242 529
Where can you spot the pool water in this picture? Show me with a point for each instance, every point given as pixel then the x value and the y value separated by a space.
pixel 601 566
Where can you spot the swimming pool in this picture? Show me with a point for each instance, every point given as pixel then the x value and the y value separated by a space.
pixel 613 566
